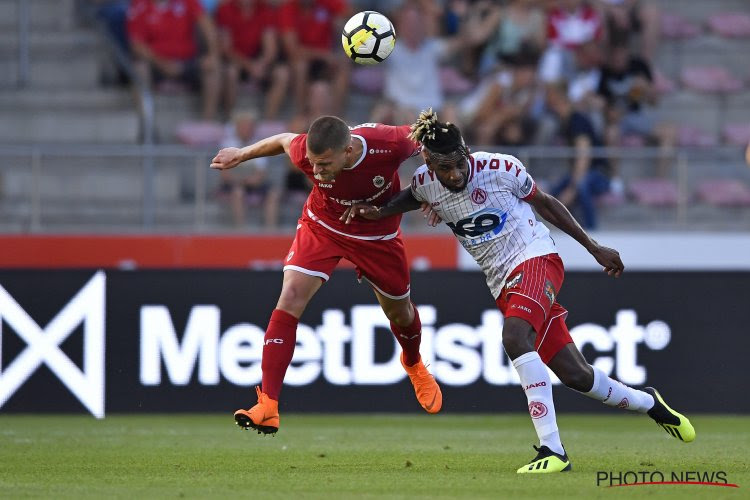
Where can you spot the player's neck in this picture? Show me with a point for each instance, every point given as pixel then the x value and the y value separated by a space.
pixel 356 153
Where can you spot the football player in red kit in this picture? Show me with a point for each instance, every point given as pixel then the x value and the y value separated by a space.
pixel 346 166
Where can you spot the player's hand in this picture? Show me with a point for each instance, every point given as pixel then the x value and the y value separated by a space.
pixel 433 219
pixel 226 158
pixel 610 260
pixel 364 210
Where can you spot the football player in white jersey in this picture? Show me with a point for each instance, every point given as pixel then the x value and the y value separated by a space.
pixel 486 199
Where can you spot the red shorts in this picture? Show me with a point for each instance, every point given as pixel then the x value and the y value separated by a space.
pixel 316 251
pixel 530 293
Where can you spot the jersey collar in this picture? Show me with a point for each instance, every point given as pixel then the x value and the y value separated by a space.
pixel 364 152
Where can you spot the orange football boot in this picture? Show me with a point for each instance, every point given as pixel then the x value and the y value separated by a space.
pixel 425 386
pixel 263 417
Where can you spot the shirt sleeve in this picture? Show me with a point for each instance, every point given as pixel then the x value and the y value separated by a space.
pixel 521 183
pixel 406 147
pixel 298 149
pixel 415 191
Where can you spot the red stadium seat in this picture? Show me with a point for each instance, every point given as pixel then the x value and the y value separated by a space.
pixel 654 192
pixel 737 134
pixel 676 27
pixel 724 193
pixel 199 133
pixel 709 79
pixel 688 135
pixel 730 24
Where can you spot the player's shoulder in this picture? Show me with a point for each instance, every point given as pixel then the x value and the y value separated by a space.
pixel 423 176
pixel 495 162
pixel 380 131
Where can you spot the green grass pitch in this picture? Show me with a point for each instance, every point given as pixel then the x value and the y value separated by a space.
pixel 362 457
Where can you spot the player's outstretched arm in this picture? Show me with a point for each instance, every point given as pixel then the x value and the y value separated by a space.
pixel 402 202
pixel 551 209
pixel 271 146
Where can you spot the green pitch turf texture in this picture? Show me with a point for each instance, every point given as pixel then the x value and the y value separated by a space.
pixel 375 456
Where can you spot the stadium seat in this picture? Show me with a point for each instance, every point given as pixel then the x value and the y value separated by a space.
pixel 730 24
pixel 688 135
pixel 200 133
pixel 654 192
pixel 737 134
pixel 611 199
pixel 632 141
pixel 662 84
pixel 368 80
pixel 724 193
pixel 709 79
pixel 675 26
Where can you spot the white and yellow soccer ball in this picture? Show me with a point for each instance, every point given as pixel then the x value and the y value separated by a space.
pixel 368 37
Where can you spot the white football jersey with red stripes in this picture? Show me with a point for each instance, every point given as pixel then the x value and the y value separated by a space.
pixel 490 217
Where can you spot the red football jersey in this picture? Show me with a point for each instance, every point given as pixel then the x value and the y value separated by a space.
pixel 372 179
pixel 167 28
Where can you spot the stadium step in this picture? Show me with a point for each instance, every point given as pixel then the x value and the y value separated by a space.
pixel 43 14
pixel 54 72
pixel 69 125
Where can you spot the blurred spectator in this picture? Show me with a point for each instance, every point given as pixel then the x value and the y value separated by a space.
pixel 250 43
pixel 162 36
pixel 517 27
pixel 310 29
pixel 499 111
pixel 114 13
pixel 570 24
pixel 589 175
pixel 627 86
pixel 412 72
pixel 583 87
pixel 249 185
pixel 624 18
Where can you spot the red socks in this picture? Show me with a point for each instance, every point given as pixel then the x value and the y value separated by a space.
pixel 278 349
pixel 409 337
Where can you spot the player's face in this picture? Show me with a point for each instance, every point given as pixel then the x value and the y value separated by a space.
pixel 453 175
pixel 327 165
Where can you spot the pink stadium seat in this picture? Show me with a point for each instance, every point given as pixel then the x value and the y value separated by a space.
pixel 654 192
pixel 709 79
pixel 730 24
pixel 199 133
pixel 737 134
pixel 632 141
pixel 662 84
pixel 688 135
pixel 611 199
pixel 675 26
pixel 724 193
pixel 369 80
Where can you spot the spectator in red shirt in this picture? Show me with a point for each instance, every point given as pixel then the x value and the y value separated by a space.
pixel 309 30
pixel 162 38
pixel 250 43
pixel 570 24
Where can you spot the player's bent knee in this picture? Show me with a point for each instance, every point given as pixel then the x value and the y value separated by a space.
pixel 578 378
pixel 518 337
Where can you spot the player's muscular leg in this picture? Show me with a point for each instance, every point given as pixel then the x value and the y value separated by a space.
pixel 518 337
pixel 399 311
pixel 572 369
pixel 296 291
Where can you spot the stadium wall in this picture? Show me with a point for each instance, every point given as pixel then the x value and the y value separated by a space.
pixel 190 340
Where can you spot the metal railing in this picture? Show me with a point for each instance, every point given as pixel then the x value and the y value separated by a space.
pixel 28 172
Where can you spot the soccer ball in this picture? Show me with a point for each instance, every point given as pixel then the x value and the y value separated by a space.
pixel 368 37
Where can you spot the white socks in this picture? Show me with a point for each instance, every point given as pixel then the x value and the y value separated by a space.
pixel 536 383
pixel 616 394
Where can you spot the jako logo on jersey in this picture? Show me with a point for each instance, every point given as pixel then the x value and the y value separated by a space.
pixel 487 220
pixel 523 308
pixel 273 341
pixel 320 184
pixel 378 181
pixel 478 196
pixel 538 384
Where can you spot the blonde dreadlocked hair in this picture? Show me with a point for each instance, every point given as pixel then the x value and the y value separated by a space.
pixel 438 138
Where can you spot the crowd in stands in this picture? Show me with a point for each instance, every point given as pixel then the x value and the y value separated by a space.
pixel 515 72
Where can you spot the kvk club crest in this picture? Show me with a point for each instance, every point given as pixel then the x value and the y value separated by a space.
pixel 378 181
